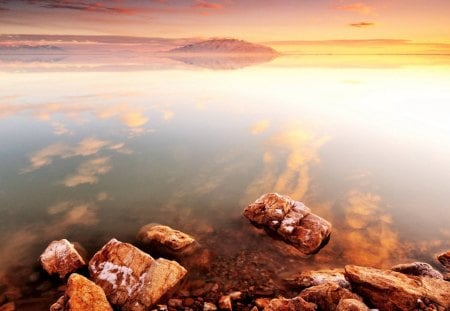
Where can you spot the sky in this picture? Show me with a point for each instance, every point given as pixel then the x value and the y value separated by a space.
pixel 417 21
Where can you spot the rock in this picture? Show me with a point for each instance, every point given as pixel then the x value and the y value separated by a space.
pixel 188 302
pixel 444 259
pixel 82 294
pixel 131 278
pixel 327 296
pixel 175 303
pixel 390 290
pixel 208 306
pixel 225 303
pixel 235 295
pixel 10 306
pixel 314 278
pixel 291 221
pixel 447 277
pixel 418 269
pixel 351 305
pixel 61 257
pixel 294 304
pixel 262 302
pixel 167 240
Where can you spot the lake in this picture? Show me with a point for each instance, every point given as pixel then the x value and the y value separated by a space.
pixel 95 147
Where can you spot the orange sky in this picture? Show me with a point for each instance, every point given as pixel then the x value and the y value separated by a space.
pixel 419 21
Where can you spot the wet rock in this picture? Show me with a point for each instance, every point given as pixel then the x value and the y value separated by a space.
pixel 390 290
pixel 167 240
pixel 314 278
pixel 327 296
pixel 447 277
pixel 418 269
pixel 62 258
pixel 235 295
pixel 225 303
pixel 188 302
pixel 13 293
pixel 82 294
pixel 351 305
pixel 10 306
pixel 290 220
pixel 208 306
pixel 131 278
pixel 294 304
pixel 444 259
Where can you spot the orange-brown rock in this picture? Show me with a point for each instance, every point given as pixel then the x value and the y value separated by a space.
pixel 327 296
pixel 351 305
pixel 132 279
pixel 390 290
pixel 294 304
pixel 167 240
pixel 290 220
pixel 444 259
pixel 313 278
pixel 418 269
pixel 10 306
pixel 82 294
pixel 62 258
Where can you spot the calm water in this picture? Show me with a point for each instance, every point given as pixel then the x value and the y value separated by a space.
pixel 92 149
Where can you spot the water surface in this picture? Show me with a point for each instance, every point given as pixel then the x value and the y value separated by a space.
pixel 90 152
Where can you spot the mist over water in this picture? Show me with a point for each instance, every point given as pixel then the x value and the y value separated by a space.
pixel 93 152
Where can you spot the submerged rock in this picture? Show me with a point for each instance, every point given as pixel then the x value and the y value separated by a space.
pixel 10 306
pixel 351 305
pixel 444 259
pixel 291 220
pixel 327 296
pixel 294 304
pixel 61 257
pixel 313 278
pixel 418 269
pixel 131 278
pixel 167 240
pixel 82 294
pixel 390 290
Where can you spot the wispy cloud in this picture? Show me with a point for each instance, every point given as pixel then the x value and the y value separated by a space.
pixel 85 6
pixel 87 147
pixel 357 7
pixel 362 24
pixel 88 172
pixel 203 4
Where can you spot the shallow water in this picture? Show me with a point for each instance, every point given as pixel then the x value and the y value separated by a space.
pixel 94 152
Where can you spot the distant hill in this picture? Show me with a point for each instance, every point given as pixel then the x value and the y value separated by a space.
pixel 224 46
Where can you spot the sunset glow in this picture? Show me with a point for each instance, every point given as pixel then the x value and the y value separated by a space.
pixel 322 26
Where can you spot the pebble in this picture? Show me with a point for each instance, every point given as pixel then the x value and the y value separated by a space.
pixel 225 303
pixel 208 306
pixel 175 303
pixel 262 302
pixel 188 302
pixel 13 294
pixel 235 295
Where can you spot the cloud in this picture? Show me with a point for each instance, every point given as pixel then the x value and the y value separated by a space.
pixel 88 172
pixel 59 128
pixel 203 4
pixel 87 147
pixel 362 24
pixel 259 126
pixel 287 156
pixel 84 6
pixel 357 7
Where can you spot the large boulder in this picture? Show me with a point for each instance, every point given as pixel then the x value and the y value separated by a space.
pixel 327 296
pixel 62 258
pixel 418 269
pixel 294 304
pixel 82 294
pixel 390 290
pixel 132 279
pixel 167 240
pixel 290 220
pixel 313 278
pixel 444 259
